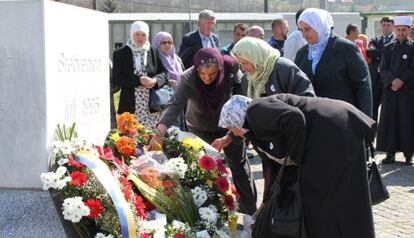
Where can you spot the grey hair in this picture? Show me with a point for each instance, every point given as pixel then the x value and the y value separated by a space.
pixel 256 31
pixel 206 15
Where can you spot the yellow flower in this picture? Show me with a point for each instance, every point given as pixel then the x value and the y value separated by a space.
pixel 158 146
pixel 115 137
pixel 195 143
pixel 209 183
pixel 214 174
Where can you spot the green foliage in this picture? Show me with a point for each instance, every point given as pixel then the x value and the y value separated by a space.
pixel 63 133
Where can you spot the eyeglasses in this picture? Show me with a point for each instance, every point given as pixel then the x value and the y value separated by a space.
pixel 166 42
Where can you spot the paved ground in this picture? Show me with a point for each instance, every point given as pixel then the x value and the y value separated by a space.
pixel 392 218
pixel 32 214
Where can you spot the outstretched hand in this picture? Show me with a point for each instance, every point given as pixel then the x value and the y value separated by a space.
pixel 155 143
pixel 221 143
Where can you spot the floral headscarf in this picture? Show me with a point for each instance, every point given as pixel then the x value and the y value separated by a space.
pixel 233 112
pixel 262 56
pixel 321 21
pixel 170 60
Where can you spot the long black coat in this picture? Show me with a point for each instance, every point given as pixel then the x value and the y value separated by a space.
pixel 326 137
pixel 374 53
pixel 340 74
pixel 396 126
pixel 123 73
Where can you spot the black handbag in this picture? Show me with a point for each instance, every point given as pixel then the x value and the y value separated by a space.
pixel 159 98
pixel 282 214
pixel 377 188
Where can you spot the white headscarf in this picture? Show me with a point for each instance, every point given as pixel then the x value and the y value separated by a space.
pixel 321 21
pixel 233 112
pixel 136 51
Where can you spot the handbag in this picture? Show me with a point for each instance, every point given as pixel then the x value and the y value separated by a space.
pixel 159 98
pixel 377 188
pixel 282 215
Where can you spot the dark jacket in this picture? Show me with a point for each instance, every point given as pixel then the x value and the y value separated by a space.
pixel 286 77
pixel 187 95
pixel 340 74
pixel 190 44
pixel 123 73
pixel 326 137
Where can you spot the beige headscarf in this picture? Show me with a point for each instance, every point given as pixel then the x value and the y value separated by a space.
pixel 262 56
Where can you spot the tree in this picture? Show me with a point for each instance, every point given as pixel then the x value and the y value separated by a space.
pixel 108 6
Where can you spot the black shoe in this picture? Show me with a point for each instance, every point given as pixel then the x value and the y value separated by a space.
pixel 409 159
pixel 389 159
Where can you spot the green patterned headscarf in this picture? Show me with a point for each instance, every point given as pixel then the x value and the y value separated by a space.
pixel 262 56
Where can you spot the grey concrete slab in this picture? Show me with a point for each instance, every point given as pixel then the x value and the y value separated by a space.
pixel 28 214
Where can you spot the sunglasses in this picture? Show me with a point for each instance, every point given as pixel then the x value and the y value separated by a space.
pixel 166 42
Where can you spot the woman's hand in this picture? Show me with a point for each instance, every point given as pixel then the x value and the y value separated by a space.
pixel 173 83
pixel 221 143
pixel 147 82
pixel 156 141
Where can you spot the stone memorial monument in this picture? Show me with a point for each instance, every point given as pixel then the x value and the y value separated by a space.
pixel 54 68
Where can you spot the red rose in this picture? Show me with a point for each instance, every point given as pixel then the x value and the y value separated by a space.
pixel 206 163
pixel 145 235
pixel 222 184
pixel 74 163
pixel 78 179
pixel 179 235
pixel 229 202
pixel 220 166
pixel 95 207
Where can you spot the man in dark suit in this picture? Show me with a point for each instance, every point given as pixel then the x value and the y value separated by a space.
pixel 374 51
pixel 201 38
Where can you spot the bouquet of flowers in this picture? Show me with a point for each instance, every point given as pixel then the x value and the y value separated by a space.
pixel 122 189
pixel 81 197
pixel 198 192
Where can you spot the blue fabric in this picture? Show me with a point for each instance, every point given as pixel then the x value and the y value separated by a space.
pixel 316 50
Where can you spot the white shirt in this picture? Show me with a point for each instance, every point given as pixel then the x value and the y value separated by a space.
pixel 207 41
pixel 292 45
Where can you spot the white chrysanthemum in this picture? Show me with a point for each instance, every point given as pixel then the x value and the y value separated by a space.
pixel 177 165
pixel 54 179
pixel 199 196
pixel 74 209
pixel 62 162
pixel 208 216
pixel 213 208
pixel 178 225
pixel 101 235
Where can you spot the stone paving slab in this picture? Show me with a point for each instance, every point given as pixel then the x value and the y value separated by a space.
pixel 28 214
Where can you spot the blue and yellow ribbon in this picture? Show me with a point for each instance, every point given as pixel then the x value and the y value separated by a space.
pixel 104 175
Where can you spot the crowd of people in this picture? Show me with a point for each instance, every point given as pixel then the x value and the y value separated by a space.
pixel 311 98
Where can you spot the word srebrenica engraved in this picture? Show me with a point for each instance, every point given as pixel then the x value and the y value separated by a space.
pixel 76 64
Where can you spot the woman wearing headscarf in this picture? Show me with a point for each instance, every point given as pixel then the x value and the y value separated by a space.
pixel 137 68
pixel 268 74
pixel 326 138
pixel 334 65
pixel 203 89
pixel 164 43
